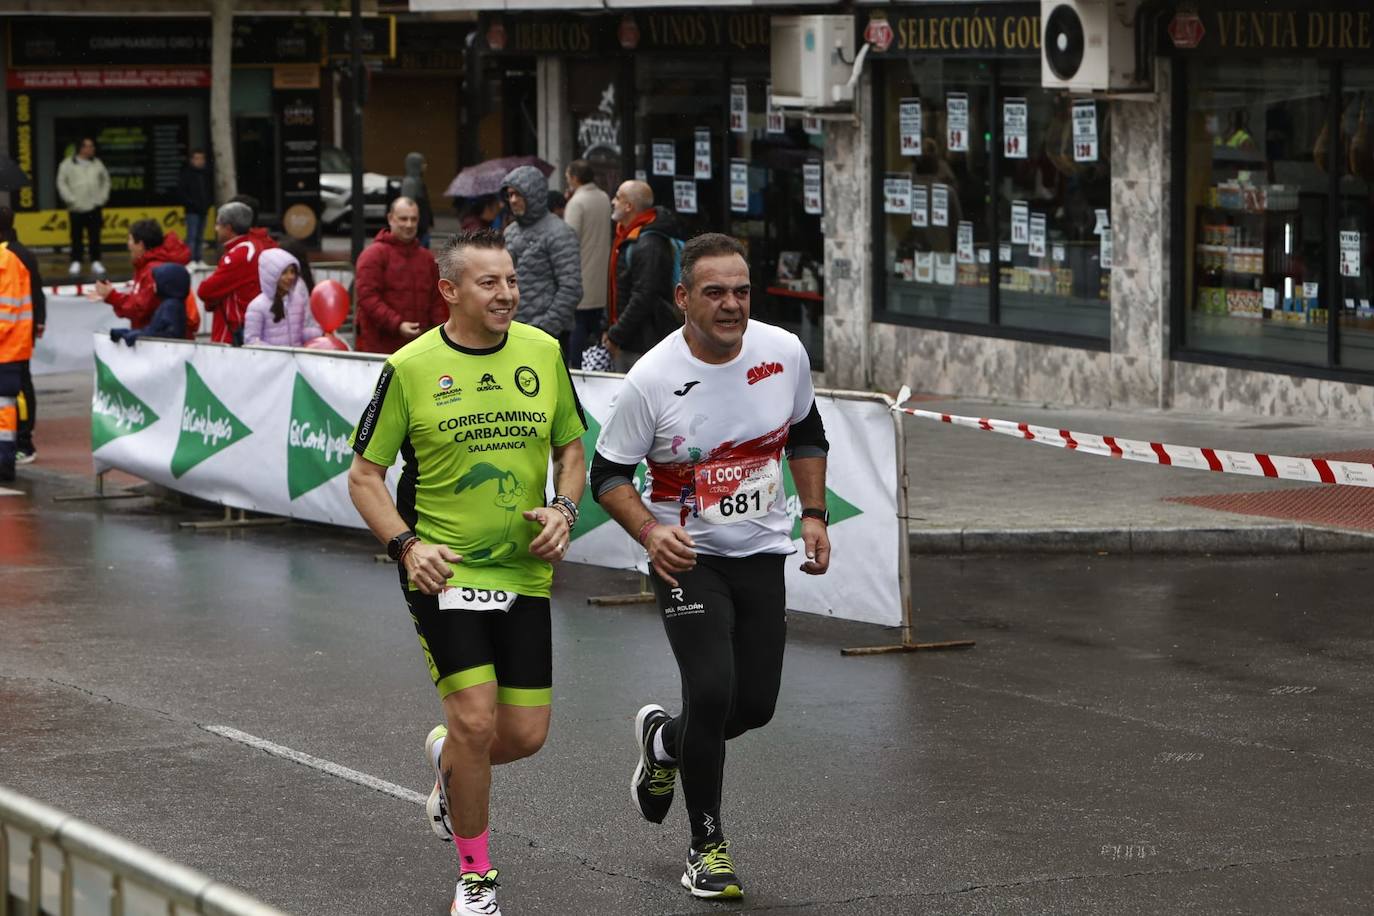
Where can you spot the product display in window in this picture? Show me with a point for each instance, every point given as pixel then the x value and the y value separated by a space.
pixel 1257 236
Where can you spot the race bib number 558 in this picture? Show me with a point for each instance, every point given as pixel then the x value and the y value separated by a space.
pixel 466 598
pixel 730 490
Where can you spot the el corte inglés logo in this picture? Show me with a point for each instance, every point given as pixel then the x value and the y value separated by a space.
pixel 115 410
pixel 207 426
pixel 317 447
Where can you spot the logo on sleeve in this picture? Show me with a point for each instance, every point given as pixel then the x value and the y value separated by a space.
pixel 488 383
pixel 763 371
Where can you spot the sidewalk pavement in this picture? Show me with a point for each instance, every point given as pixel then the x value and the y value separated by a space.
pixel 971 491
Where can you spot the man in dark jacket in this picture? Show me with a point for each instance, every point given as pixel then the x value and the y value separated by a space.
pixel 25 452
pixel 548 260
pixel 397 284
pixel 196 194
pixel 643 261
pixel 171 284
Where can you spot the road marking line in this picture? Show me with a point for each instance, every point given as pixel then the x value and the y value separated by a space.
pixel 7 492
pixel 328 767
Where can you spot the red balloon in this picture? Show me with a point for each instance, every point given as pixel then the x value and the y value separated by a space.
pixel 329 304
pixel 329 341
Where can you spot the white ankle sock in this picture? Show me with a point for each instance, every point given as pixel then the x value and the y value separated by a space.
pixel 660 752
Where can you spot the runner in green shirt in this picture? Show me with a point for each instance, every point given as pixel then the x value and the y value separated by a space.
pixel 476 407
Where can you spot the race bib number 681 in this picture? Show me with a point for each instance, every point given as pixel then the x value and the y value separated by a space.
pixel 730 490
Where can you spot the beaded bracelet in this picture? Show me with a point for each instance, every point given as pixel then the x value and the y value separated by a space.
pixel 568 507
pixel 407 548
pixel 644 530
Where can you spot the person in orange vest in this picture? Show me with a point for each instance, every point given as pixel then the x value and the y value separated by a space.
pixel 16 346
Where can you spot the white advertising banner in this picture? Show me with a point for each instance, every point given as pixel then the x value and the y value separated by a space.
pixel 267 430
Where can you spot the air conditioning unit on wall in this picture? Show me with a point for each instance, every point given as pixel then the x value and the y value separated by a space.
pixel 812 61
pixel 1089 45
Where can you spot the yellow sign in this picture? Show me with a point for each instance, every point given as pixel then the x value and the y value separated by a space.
pixel 51 228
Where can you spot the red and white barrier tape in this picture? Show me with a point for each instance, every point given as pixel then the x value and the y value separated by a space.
pixel 1252 464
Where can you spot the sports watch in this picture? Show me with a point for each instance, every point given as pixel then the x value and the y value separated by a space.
pixel 821 515
pixel 398 543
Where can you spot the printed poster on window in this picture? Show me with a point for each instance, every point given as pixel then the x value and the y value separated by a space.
pixel 1020 222
pixel 909 120
pixel 1102 222
pixel 811 188
pixel 945 268
pixel 1058 254
pixel 1104 254
pixel 920 206
pixel 1350 253
pixel 665 158
pixel 1037 235
pixel 739 108
pixel 684 195
pixel 641 175
pixel 812 125
pixel 739 185
pixel 1085 130
pixel 897 193
pixel 965 242
pixel 956 122
pixel 1014 141
pixel 701 160
pixel 775 121
pixel 1004 252
pixel 939 205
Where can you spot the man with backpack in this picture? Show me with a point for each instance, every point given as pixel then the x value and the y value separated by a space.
pixel 646 258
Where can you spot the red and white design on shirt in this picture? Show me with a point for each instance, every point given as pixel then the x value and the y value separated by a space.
pixel 763 371
pixel 715 454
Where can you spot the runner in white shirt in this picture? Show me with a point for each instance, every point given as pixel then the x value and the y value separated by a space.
pixel 714 410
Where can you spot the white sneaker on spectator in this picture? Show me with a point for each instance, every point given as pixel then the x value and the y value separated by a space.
pixel 74 268
pixel 97 268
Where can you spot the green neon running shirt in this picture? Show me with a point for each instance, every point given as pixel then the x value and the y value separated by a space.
pixel 475 428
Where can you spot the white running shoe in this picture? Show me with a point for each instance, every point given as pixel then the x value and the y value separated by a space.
pixel 436 807
pixel 475 894
pixel 97 268
pixel 74 268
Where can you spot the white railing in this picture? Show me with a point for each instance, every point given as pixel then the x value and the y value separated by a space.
pixel 53 863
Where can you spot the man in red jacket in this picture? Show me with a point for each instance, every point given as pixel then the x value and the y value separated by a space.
pixel 227 292
pixel 148 248
pixel 396 283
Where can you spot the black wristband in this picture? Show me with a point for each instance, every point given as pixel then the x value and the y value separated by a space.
pixel 398 544
pixel 820 515
pixel 568 507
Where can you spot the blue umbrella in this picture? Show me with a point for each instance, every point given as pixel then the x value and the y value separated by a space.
pixel 485 178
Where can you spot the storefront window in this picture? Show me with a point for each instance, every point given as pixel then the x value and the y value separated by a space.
pixel 1054 207
pixel 1256 213
pixel 1355 278
pixel 994 211
pixel 739 173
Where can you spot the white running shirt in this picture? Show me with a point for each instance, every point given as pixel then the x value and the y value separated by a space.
pixel 713 436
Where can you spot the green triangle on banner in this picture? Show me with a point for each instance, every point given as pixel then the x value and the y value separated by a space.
pixel 592 516
pixel 316 441
pixel 207 426
pixel 115 410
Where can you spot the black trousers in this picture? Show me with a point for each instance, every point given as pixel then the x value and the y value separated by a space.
pixel 727 624
pixel 86 224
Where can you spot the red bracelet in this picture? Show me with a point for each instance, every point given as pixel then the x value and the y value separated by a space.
pixel 409 546
pixel 644 530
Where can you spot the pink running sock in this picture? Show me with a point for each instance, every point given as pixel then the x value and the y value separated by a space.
pixel 472 854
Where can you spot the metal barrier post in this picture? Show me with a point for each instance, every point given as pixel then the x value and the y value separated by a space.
pixel 908 643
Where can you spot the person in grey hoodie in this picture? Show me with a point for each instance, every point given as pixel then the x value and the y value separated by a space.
pixel 548 260
pixel 413 186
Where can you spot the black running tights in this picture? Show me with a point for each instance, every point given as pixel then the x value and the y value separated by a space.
pixel 727 624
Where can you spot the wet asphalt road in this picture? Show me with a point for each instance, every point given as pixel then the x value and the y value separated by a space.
pixel 1129 736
